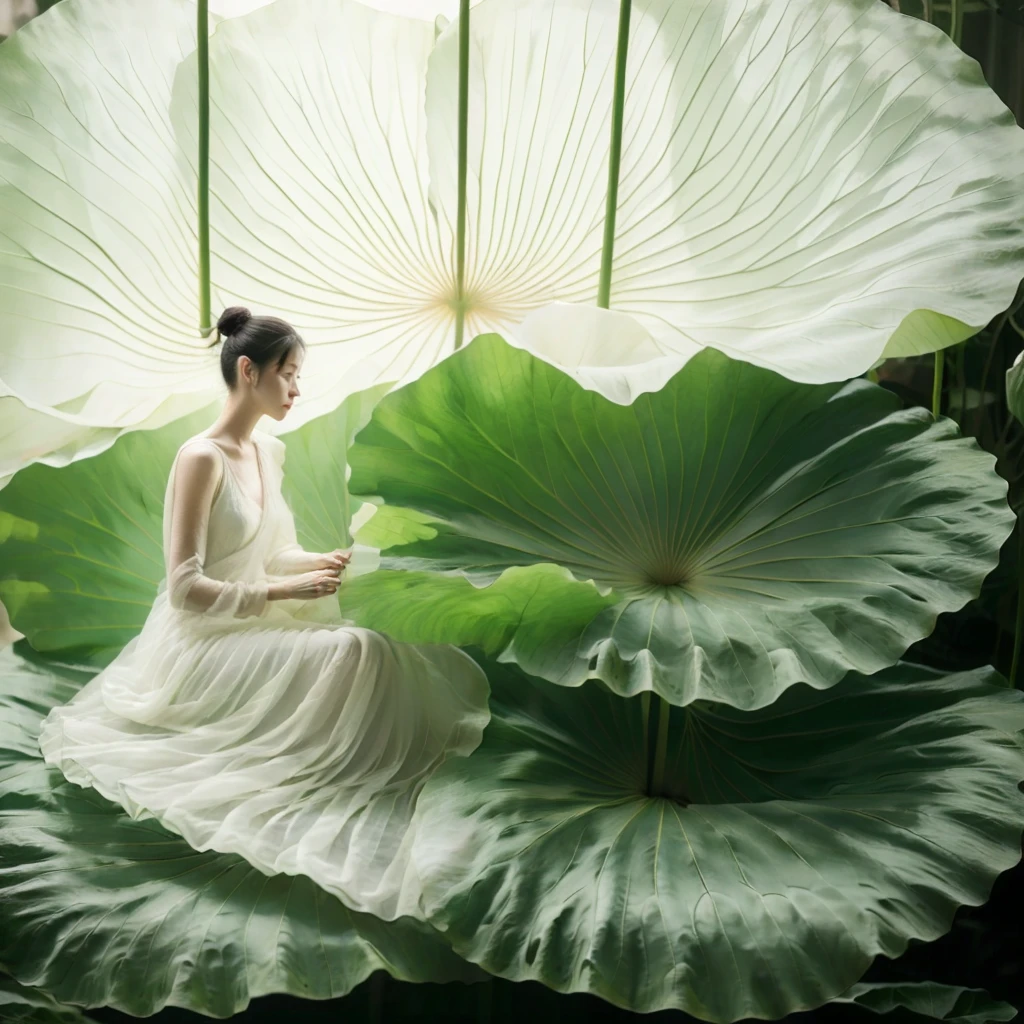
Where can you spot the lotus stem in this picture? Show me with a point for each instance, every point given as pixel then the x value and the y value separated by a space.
pixel 991 65
pixel 203 203
pixel 645 719
pixel 604 285
pixel 989 357
pixel 1015 662
pixel 940 359
pixel 956 21
pixel 961 380
pixel 658 773
pixel 460 217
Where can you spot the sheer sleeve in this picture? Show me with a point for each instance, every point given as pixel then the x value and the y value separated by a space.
pixel 285 557
pixel 197 472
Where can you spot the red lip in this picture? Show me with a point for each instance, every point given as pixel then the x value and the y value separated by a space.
pixel 288 405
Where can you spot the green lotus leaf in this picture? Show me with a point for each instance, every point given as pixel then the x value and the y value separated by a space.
pixel 103 910
pixel 388 527
pixel 757 532
pixel 315 485
pixel 818 185
pixel 919 1001
pixel 525 608
pixel 20 1004
pixel 789 847
pixel 81 548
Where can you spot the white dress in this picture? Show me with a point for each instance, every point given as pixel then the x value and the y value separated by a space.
pixel 270 729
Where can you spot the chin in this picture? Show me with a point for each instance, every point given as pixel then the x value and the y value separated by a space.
pixel 280 414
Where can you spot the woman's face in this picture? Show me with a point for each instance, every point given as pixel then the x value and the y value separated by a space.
pixel 275 388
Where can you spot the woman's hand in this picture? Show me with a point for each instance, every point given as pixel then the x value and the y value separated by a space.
pixel 307 587
pixel 336 559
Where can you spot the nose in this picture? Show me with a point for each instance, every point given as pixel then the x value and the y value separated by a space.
pixel 293 391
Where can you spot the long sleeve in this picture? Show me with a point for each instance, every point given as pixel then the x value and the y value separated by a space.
pixel 198 471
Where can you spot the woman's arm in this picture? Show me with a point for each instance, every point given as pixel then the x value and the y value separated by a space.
pixel 197 473
pixel 286 556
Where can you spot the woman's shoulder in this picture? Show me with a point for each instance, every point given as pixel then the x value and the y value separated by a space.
pixel 200 453
pixel 198 465
pixel 198 447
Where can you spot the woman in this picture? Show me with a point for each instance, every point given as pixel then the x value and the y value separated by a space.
pixel 247 716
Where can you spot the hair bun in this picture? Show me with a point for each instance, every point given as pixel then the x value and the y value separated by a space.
pixel 232 320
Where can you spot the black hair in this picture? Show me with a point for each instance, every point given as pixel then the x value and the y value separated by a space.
pixel 264 339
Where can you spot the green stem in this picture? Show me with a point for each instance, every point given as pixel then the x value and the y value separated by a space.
pixel 986 370
pixel 956 17
pixel 658 773
pixel 645 717
pixel 203 55
pixel 1005 432
pixel 991 66
pixel 1020 606
pixel 961 383
pixel 460 217
pixel 604 284
pixel 940 358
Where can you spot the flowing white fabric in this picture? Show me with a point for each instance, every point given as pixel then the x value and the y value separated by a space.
pixel 270 729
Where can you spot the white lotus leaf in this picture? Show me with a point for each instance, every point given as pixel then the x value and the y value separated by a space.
pixel 804 185
pixel 426 10
pixel 813 186
pixel 234 8
pixel 98 285
pixel 605 350
pixel 33 433
pixel 319 206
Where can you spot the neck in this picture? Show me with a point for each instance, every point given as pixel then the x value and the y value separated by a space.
pixel 237 420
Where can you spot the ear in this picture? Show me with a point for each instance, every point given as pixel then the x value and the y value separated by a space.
pixel 247 370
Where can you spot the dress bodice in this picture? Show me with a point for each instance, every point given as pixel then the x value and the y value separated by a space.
pixel 234 515
pixel 235 537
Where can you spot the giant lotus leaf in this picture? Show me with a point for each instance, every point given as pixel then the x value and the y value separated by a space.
pixel 791 844
pixel 100 909
pixel 730 535
pixel 20 1004
pixel 915 1002
pixel 815 185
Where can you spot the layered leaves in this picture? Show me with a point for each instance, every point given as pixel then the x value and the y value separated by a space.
pixel 816 186
pixel 22 1005
pixel 103 910
pixel 81 549
pixel 740 532
pixel 794 843
pixel 927 1000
